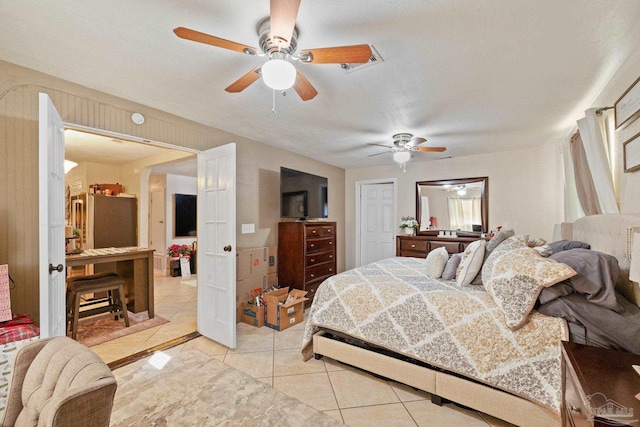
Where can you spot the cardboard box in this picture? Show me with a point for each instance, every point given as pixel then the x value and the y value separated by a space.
pixel 252 262
pixel 272 259
pixel 284 309
pixel 252 315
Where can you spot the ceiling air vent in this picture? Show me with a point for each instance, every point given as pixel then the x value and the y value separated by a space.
pixel 375 59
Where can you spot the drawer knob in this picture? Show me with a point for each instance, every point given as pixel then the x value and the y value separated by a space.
pixel 413 246
pixel 312 245
pixel 331 269
pixel 314 231
pixel 330 256
pixel 312 275
pixel 312 260
pixel 331 243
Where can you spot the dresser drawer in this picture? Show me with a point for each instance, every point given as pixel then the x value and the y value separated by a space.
pixel 314 273
pixel 319 258
pixel 320 231
pixel 451 247
pixel 320 245
pixel 312 289
pixel 413 245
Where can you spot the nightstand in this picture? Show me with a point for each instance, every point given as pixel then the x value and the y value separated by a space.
pixel 599 387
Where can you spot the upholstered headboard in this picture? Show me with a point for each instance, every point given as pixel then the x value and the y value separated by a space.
pixel 608 233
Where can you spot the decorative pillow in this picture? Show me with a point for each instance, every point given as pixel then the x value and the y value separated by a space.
pixel 513 242
pixel 450 269
pixel 436 261
pixel 544 250
pixel 532 243
pixel 500 237
pixel 517 278
pixel 565 245
pixel 471 262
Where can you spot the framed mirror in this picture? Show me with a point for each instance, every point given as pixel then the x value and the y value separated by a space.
pixel 453 204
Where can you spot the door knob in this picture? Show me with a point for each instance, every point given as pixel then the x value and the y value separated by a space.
pixel 227 248
pixel 59 268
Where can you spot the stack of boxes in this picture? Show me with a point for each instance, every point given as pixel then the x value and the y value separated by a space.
pixel 255 268
pixel 257 303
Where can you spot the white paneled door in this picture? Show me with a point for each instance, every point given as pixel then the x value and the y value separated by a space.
pixel 377 227
pixel 217 244
pixel 51 220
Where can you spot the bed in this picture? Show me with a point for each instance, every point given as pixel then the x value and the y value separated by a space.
pixel 391 319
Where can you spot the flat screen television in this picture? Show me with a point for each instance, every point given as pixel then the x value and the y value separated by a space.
pixel 303 195
pixel 184 215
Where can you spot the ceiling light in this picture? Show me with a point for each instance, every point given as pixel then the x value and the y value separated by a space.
pixel 278 74
pixel 68 165
pixel 401 156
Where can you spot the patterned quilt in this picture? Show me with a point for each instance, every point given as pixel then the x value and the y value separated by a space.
pixel 393 304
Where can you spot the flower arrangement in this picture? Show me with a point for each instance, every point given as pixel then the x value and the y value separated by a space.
pixel 408 222
pixel 177 250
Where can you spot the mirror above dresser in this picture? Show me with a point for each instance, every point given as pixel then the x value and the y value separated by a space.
pixel 459 205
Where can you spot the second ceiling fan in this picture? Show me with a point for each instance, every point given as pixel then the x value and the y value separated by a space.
pixel 403 145
pixel 278 42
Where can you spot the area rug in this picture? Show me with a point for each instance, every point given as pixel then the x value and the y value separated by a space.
pixel 193 389
pixel 107 329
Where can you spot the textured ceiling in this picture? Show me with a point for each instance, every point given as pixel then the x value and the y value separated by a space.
pixel 474 76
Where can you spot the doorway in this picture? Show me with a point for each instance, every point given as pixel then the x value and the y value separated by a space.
pixel 113 160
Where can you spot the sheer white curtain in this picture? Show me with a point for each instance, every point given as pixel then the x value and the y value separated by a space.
pixel 594 138
pixel 463 213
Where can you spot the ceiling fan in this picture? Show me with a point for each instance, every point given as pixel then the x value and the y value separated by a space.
pixel 278 42
pixel 403 145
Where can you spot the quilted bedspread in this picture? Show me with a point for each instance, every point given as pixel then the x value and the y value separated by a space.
pixel 393 304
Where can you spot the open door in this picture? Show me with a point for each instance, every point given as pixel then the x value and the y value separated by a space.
pixel 51 220
pixel 217 244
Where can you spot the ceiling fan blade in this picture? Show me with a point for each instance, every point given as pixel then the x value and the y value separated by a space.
pixel 380 145
pixel 303 87
pixel 432 149
pixel 196 36
pixel 417 141
pixel 377 154
pixel 355 54
pixel 244 82
pixel 283 20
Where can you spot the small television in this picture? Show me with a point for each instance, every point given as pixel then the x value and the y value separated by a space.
pixel 302 195
pixel 184 215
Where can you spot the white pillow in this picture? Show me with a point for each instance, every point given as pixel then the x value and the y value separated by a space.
pixel 436 261
pixel 471 263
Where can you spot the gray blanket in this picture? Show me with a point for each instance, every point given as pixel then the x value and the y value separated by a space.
pixel 597 276
pixel 604 327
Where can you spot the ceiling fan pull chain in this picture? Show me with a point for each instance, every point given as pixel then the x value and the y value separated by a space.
pixel 273 105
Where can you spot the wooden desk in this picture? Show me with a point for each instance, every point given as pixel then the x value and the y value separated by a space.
pixel 135 267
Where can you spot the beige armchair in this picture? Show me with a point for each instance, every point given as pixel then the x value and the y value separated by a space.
pixel 59 382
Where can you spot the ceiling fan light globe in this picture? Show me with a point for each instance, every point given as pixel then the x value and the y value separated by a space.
pixel 401 156
pixel 278 74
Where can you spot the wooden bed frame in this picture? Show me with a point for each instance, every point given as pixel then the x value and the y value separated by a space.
pixel 605 233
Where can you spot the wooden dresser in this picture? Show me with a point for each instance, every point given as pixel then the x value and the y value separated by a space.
pixel 420 246
pixel 599 387
pixel 306 254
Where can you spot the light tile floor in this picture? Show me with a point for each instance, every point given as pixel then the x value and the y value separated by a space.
pixel 345 393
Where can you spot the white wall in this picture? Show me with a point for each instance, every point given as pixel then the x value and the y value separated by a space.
pixel 525 189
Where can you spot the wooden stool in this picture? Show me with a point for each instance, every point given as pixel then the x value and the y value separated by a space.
pixel 102 282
